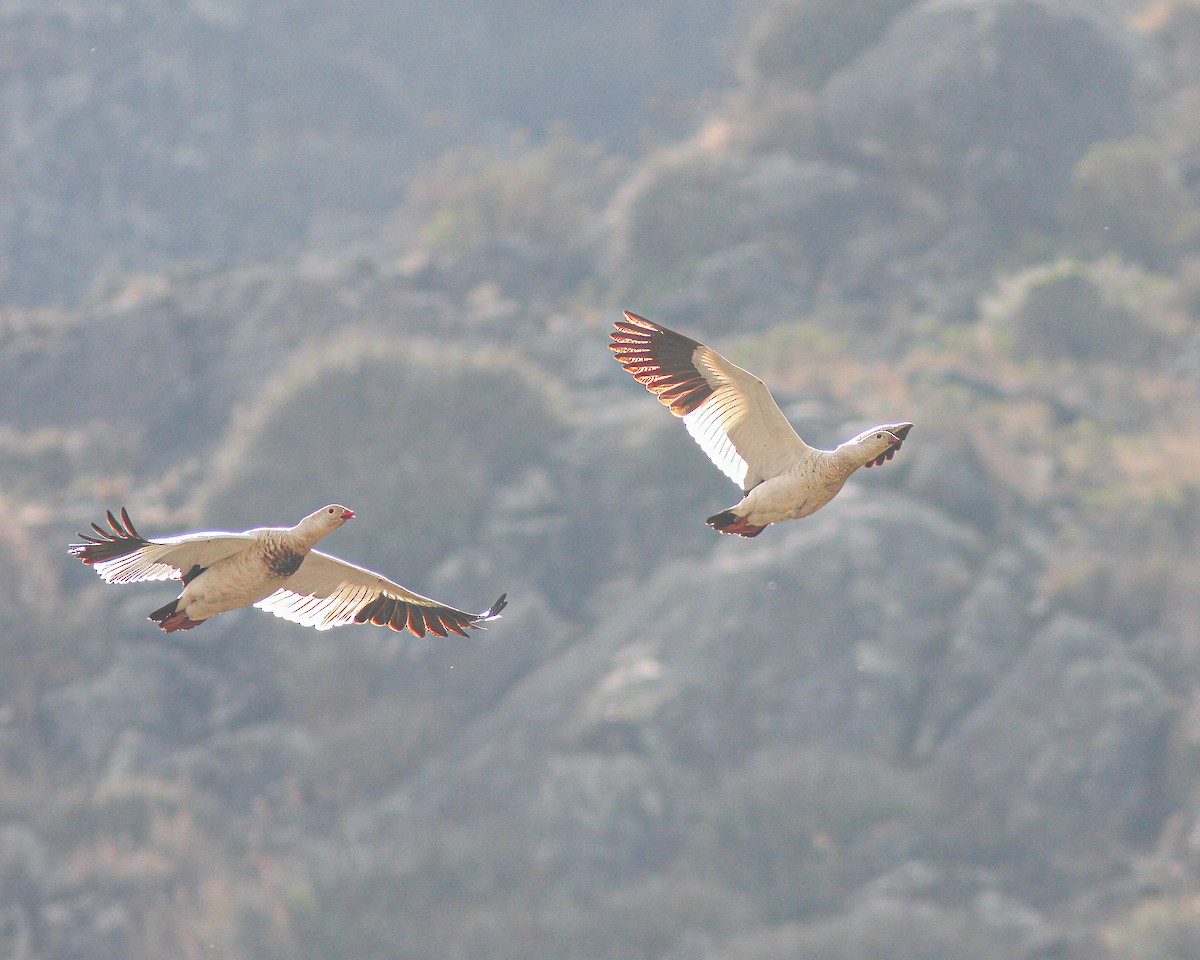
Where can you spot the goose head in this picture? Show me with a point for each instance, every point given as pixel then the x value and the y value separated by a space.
pixel 872 447
pixel 321 522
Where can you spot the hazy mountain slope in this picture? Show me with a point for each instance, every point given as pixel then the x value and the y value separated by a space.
pixel 137 134
pixel 951 716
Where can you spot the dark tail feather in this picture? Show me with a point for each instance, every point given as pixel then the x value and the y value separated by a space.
pixel 729 522
pixel 162 613
pixel 171 619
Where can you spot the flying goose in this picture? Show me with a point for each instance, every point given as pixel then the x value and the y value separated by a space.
pixel 732 416
pixel 274 568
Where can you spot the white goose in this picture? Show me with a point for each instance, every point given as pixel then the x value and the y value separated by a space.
pixel 733 417
pixel 275 569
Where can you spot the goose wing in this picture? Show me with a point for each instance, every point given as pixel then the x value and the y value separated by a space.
pixel 122 555
pixel 728 411
pixel 328 592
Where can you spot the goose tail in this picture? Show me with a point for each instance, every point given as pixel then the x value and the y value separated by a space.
pixel 171 618
pixel 729 522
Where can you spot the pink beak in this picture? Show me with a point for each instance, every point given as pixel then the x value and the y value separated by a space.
pixel 347 514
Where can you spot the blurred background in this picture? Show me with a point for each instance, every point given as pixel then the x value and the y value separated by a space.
pixel 256 257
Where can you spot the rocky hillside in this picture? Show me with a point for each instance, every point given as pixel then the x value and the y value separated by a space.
pixel 953 716
pixel 135 134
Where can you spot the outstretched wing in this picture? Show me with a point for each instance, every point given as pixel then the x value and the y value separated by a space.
pixel 327 592
pixel 728 411
pixel 122 555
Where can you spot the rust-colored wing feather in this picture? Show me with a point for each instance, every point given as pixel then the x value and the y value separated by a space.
pixel 663 361
pixel 440 620
pixel 728 411
pixel 327 591
pixel 120 541
pixel 122 555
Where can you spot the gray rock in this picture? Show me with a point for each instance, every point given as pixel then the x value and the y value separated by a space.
pixel 951 475
pixel 747 284
pixel 243 765
pixel 899 929
pixel 89 926
pixel 788 220
pixel 1053 773
pixel 974 892
pixel 990 629
pixel 815 200
pixel 1004 95
pixel 157 693
pixel 807 634
pixel 603 820
pixel 24 885
pixel 828 638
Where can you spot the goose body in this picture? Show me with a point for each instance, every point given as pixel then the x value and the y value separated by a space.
pixel 274 569
pixel 732 416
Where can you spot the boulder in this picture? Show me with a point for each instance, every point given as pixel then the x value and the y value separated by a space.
pixel 815 634
pixel 158 694
pixel 1053 773
pixel 1003 96
pixel 989 632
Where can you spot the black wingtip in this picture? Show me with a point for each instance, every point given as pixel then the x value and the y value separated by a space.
pixel 129 529
pixel 120 540
pixel 494 611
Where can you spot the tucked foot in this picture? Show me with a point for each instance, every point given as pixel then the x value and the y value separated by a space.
pixel 729 522
pixel 179 621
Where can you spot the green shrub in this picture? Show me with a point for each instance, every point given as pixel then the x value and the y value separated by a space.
pixel 1082 310
pixel 1125 556
pixel 415 437
pixel 547 194
pixel 669 217
pixel 123 814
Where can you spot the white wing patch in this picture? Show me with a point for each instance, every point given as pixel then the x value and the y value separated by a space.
pixel 709 425
pixel 171 558
pixel 323 613
pixel 740 426
pixel 328 592
pixel 136 567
